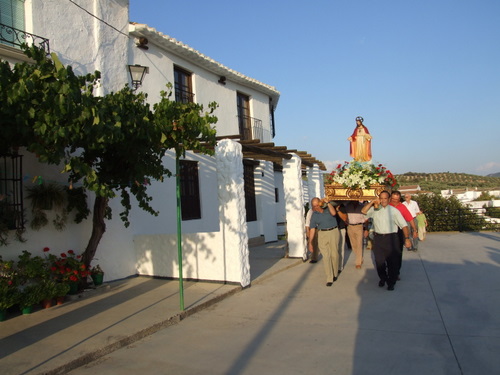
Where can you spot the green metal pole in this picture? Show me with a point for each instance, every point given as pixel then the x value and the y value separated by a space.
pixel 179 231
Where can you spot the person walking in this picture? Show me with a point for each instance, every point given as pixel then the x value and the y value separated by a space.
pixel 421 225
pixel 315 252
pixel 342 224
pixel 414 209
pixel 355 221
pixel 395 201
pixel 386 221
pixel 324 221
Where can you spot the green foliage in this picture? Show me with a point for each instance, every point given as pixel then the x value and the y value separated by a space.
pixel 62 199
pixel 96 270
pixel 30 295
pixel 435 182
pixel 112 143
pixel 8 291
pixel 8 219
pixel 448 214
pixel 492 212
pixel 49 289
pixel 42 105
pixel 31 267
pixel 184 126
pixel 484 196
pixel 77 200
pixel 47 197
pixel 61 289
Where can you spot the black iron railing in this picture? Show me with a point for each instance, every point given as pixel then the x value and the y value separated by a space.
pixel 183 96
pixel 14 37
pixel 250 128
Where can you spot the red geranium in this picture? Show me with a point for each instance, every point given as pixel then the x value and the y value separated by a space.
pixel 68 267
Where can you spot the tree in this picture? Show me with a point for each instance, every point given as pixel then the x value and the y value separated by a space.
pixel 484 196
pixel 448 214
pixel 113 144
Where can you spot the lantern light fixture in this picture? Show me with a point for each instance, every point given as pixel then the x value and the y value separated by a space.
pixel 137 73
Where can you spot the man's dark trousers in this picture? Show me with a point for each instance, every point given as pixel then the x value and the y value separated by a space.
pixel 387 256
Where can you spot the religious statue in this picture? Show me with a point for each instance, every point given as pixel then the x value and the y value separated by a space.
pixel 361 142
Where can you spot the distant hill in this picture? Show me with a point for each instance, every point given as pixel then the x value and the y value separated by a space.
pixel 494 175
pixel 440 181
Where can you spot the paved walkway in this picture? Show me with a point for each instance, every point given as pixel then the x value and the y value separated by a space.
pixel 97 322
pixel 441 319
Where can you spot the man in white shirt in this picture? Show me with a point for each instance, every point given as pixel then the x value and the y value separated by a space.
pixel 414 209
pixel 386 221
pixel 315 253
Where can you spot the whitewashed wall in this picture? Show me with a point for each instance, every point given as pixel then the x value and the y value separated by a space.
pixel 220 255
pixel 206 88
pixel 213 249
pixel 86 44
pixel 82 40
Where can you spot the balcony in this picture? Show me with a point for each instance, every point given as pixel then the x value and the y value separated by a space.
pixel 13 37
pixel 250 128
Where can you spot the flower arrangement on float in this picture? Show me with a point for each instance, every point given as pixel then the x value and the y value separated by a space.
pixel 361 175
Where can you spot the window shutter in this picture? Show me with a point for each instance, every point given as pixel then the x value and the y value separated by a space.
pixel 12 13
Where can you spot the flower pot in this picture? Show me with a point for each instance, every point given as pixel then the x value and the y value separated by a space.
pixel 3 315
pixel 27 310
pixel 46 303
pixel 73 287
pixel 97 278
pixel 60 300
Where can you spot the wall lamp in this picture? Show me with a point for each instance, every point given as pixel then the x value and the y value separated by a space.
pixel 137 73
pixel 222 80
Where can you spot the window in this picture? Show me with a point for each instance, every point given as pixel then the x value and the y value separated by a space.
pixel 11 192
pixel 183 86
pixel 250 202
pixel 190 190
pixel 11 16
pixel 244 120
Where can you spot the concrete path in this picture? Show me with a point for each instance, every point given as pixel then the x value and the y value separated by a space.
pixel 443 318
pixel 97 322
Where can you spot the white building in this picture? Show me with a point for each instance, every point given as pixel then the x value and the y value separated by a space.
pixel 242 193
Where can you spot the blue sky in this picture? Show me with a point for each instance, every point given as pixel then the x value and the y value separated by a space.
pixel 425 75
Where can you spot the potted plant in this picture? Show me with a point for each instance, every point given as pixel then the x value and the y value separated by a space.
pixel 61 289
pixel 8 290
pixel 97 275
pixel 29 295
pixel 31 268
pixel 48 291
pixel 47 197
pixel 68 268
